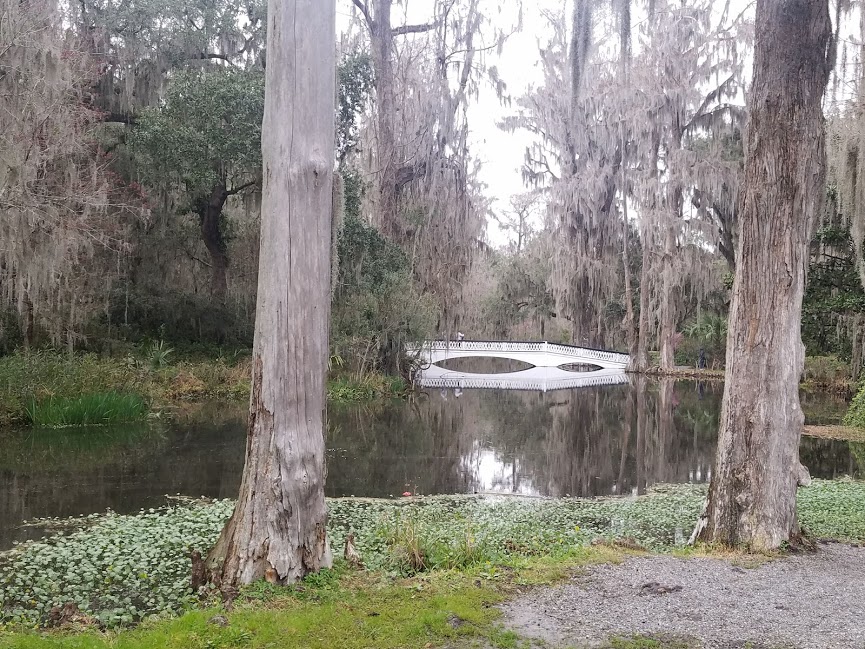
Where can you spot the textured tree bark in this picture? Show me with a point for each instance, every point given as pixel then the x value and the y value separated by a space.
pixel 629 324
pixel 670 291
pixel 668 302
pixel 640 362
pixel 667 319
pixel 752 497
pixel 381 34
pixel 278 528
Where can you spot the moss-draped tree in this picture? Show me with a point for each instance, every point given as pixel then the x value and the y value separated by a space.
pixel 752 497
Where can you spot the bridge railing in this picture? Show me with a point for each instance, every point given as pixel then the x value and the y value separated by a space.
pixel 505 346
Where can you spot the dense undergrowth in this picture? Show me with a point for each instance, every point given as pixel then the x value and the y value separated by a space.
pixel 58 389
pixel 125 569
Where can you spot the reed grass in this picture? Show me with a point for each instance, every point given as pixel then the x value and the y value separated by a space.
pixel 86 410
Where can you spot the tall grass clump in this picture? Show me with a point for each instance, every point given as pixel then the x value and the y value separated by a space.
pixel 344 389
pixel 86 410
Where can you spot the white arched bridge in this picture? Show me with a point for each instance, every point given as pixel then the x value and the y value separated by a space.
pixel 546 358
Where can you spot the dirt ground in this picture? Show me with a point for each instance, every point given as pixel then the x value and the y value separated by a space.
pixel 805 601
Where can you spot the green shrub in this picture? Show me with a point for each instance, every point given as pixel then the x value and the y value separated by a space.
pixel 371 386
pixel 826 370
pixel 86 410
pixel 856 412
pixel 709 333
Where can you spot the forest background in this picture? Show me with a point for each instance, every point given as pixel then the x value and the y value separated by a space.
pixel 130 181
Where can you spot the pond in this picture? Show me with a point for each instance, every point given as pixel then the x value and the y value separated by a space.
pixel 605 440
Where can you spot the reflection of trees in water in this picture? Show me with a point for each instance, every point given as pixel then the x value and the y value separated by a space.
pixel 589 441
pixel 386 449
pixel 580 452
pixel 822 408
pixel 69 472
pixel 518 422
pixel 857 453
pixel 484 365
pixel 614 439
pixel 829 458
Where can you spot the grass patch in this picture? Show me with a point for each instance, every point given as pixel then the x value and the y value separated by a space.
pixel 48 384
pixel 336 608
pixel 372 386
pixel 125 569
pixel 86 410
pixel 651 642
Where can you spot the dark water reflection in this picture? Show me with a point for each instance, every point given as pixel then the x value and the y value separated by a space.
pixel 585 442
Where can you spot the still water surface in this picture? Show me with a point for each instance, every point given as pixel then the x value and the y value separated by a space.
pixel 583 442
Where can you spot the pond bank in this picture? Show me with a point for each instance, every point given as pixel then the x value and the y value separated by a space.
pixel 841 387
pixel 122 570
pixel 43 376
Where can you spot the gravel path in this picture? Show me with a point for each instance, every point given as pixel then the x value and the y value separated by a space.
pixel 809 601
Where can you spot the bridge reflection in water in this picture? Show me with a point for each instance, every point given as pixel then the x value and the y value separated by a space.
pixel 535 378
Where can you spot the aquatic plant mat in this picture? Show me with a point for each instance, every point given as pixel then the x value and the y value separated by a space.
pixel 426 558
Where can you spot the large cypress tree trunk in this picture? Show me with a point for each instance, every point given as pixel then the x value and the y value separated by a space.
pixel 752 498
pixel 278 529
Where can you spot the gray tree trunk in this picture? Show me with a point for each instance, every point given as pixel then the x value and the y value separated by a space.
pixel 278 529
pixel 670 291
pixel 381 34
pixel 667 329
pixel 209 213
pixel 640 362
pixel 752 497
pixel 630 323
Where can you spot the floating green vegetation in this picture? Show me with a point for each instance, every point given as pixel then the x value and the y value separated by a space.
pixel 124 569
pixel 118 568
pixel 86 410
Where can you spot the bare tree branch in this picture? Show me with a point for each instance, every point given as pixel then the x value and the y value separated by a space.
pixel 221 57
pixel 240 188
pixel 413 29
pixel 360 4
pixel 119 118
